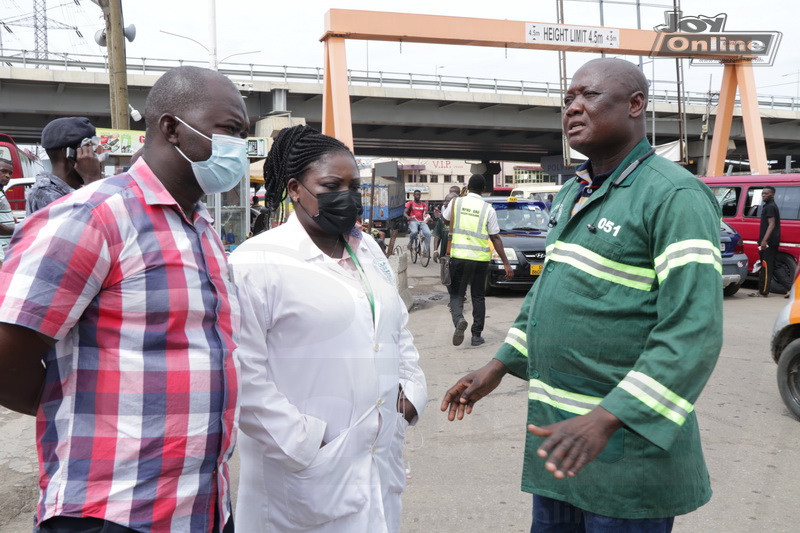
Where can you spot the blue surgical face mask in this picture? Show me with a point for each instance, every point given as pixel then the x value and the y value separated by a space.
pixel 226 166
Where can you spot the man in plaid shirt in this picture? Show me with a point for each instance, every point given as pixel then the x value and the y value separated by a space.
pixel 117 321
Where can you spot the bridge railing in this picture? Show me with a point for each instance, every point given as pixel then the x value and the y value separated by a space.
pixel 286 74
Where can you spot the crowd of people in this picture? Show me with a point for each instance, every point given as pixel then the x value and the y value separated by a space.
pixel 147 354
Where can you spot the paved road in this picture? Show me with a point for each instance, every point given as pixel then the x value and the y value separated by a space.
pixel 465 476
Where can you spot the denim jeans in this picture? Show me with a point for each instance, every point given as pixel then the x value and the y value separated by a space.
pixel 554 516
pixel 414 227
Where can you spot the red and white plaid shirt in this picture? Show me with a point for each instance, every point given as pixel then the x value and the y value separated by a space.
pixel 136 421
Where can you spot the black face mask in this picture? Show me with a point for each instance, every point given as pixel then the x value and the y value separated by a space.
pixel 337 210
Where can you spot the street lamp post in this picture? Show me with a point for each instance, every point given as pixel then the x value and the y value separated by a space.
pixel 224 59
pixel 437 76
pixel 212 54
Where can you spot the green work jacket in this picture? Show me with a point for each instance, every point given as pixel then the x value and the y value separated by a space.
pixel 630 318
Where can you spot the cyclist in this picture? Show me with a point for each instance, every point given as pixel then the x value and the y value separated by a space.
pixel 417 214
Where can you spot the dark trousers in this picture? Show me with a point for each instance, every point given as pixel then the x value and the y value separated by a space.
pixel 466 273
pixel 554 516
pixel 768 259
pixel 69 524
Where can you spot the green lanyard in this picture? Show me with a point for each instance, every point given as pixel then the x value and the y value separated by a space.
pixel 363 275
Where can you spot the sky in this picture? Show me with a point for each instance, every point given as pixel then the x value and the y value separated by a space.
pixel 287 33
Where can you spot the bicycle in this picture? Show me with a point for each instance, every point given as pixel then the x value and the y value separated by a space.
pixel 418 251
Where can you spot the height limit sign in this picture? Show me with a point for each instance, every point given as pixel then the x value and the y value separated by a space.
pixel 588 36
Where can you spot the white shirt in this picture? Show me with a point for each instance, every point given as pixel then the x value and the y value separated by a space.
pixel 316 368
pixel 492 227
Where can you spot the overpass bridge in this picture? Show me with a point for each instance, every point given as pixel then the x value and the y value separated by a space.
pixel 394 114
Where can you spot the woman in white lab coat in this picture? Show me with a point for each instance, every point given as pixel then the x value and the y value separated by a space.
pixel 330 375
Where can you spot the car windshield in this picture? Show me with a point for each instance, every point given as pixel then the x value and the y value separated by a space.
pixel 521 217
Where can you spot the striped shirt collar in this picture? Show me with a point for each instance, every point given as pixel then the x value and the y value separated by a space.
pixel 154 192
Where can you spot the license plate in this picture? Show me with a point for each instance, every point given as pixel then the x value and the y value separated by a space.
pixel 536 270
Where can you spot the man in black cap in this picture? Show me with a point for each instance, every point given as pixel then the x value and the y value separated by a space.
pixel 74 161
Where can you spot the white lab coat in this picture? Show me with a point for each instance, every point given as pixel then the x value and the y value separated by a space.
pixel 314 368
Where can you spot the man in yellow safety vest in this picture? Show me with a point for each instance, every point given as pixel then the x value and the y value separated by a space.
pixel 474 225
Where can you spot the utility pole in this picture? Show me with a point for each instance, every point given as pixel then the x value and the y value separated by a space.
pixel 40 28
pixel 212 35
pixel 117 63
pixel 707 128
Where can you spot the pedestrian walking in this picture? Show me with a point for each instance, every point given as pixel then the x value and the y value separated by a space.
pixel 474 226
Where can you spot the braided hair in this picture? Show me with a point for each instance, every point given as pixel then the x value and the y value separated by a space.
pixel 293 151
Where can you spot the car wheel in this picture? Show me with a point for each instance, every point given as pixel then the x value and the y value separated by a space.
pixel 784 274
pixel 730 290
pixel 789 377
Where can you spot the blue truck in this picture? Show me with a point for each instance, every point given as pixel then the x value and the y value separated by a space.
pixel 384 198
pixel 384 207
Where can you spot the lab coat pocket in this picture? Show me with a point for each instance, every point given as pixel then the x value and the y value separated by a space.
pixel 588 392
pixel 397 469
pixel 335 484
pixel 596 262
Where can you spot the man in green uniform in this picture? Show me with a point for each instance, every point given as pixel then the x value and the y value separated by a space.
pixel 621 332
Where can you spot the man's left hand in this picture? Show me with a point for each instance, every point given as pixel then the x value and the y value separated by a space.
pixel 509 271
pixel 575 442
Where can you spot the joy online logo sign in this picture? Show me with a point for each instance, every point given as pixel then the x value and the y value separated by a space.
pixel 700 36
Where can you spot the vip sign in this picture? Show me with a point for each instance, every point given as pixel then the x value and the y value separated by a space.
pixel 702 35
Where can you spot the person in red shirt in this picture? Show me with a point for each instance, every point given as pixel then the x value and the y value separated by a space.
pixel 416 213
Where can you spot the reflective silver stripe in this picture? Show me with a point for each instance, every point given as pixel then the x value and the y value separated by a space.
pixel 572 402
pixel 518 335
pixel 468 247
pixel 603 268
pixel 477 235
pixel 684 252
pixel 657 397
pixel 517 339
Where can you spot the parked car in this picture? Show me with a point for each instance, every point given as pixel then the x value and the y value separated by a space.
pixel 734 260
pixel 785 348
pixel 523 229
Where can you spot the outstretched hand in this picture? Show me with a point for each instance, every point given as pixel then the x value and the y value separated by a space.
pixel 574 443
pixel 462 396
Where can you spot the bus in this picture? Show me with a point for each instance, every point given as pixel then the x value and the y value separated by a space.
pixel 740 200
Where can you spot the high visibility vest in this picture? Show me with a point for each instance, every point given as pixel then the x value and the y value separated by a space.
pixel 470 239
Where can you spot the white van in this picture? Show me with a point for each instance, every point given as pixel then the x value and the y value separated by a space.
pixel 16 192
pixel 538 192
